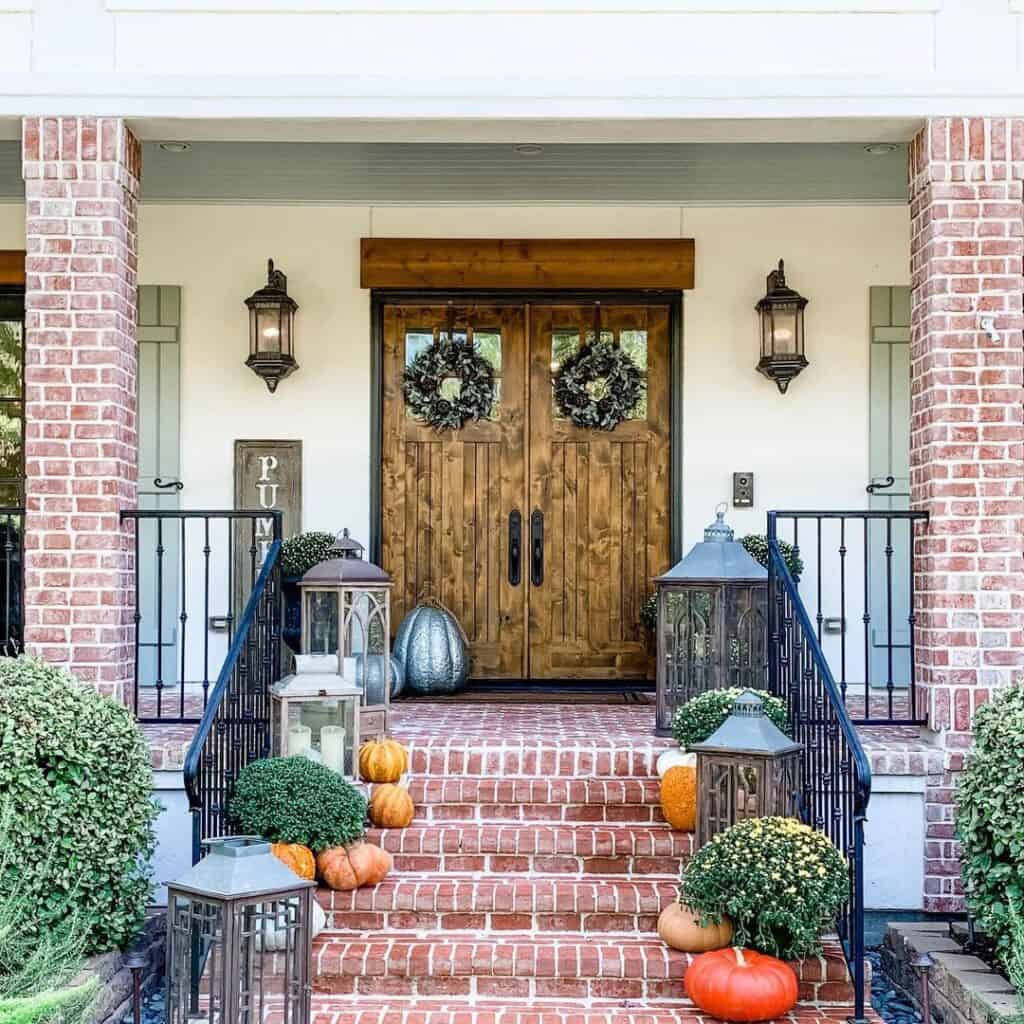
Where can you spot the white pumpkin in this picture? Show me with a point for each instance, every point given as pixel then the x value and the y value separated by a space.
pixel 275 935
pixel 673 758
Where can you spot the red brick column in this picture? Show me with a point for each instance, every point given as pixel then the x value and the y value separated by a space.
pixel 81 190
pixel 967 441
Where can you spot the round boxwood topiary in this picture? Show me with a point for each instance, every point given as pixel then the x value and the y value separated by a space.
pixel 756 545
pixel 77 784
pixel 296 800
pixel 300 553
pixel 698 718
pixel 990 818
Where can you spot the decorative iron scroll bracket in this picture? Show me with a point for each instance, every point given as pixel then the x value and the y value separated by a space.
pixel 168 485
pixel 887 482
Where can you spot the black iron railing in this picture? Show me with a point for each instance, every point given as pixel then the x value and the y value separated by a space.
pixel 835 775
pixel 858 586
pixel 12 577
pixel 194 574
pixel 235 727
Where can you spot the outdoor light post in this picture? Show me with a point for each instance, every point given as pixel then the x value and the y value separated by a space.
pixel 782 330
pixel 712 622
pixel 272 330
pixel 747 768
pixel 238 938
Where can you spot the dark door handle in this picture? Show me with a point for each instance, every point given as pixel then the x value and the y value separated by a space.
pixel 537 547
pixel 887 482
pixel 515 547
pixel 168 485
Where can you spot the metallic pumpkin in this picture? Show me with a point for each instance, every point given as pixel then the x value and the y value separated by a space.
pixel 432 649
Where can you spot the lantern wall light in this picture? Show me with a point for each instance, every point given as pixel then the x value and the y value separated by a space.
pixel 272 330
pixel 782 330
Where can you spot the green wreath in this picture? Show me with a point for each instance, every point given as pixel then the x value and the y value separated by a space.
pixel 598 386
pixel 444 405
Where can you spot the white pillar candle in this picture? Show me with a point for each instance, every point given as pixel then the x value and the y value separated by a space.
pixel 300 739
pixel 332 747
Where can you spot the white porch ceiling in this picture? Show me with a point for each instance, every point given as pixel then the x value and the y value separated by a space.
pixel 492 173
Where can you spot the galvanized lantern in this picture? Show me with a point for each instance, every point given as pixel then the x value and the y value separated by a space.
pixel 316 714
pixel 782 330
pixel 747 768
pixel 272 330
pixel 238 938
pixel 712 622
pixel 346 611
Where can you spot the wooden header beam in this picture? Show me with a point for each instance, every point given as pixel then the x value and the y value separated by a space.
pixel 550 263
pixel 12 266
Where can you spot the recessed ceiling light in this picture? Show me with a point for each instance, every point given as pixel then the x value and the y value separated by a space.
pixel 175 147
pixel 880 148
pixel 528 149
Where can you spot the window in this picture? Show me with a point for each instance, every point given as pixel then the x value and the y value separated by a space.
pixel 12 393
pixel 486 341
pixel 565 341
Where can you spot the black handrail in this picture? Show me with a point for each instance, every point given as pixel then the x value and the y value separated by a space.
pixel 836 774
pixel 235 727
pixel 12 579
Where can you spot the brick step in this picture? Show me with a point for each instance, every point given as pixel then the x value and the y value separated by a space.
pixel 630 756
pixel 482 799
pixel 540 849
pixel 404 903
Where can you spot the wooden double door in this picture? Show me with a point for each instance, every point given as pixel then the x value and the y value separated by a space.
pixel 540 536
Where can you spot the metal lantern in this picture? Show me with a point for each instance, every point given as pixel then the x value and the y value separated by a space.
pixel 238 938
pixel 747 768
pixel 782 330
pixel 316 714
pixel 712 622
pixel 272 330
pixel 346 611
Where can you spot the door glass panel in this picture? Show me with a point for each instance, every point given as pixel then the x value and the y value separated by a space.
pixel 564 342
pixel 634 344
pixel 415 342
pixel 486 341
pixel 11 340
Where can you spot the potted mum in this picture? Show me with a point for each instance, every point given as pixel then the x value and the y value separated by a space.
pixel 298 555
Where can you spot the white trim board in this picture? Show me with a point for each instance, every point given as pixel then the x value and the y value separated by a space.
pixel 442 7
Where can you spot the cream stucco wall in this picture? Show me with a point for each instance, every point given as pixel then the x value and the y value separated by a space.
pixel 12 226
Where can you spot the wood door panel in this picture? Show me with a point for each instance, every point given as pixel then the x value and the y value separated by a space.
pixel 447 495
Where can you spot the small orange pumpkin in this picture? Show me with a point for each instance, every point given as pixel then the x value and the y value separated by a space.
pixel 383 760
pixel 679 797
pixel 680 928
pixel 741 985
pixel 370 863
pixel 296 856
pixel 391 807
pixel 335 869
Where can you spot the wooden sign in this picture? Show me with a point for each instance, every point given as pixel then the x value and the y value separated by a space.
pixel 268 476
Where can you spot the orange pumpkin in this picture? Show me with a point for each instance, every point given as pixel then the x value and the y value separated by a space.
pixel 679 797
pixel 383 760
pixel 681 929
pixel 296 856
pixel 391 807
pixel 370 863
pixel 335 869
pixel 741 985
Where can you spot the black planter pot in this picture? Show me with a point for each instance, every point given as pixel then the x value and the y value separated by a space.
pixel 291 634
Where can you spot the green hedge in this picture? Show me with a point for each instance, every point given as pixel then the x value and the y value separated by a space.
pixel 694 721
pixel 75 772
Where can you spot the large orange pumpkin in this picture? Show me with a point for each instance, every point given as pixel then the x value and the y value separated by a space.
pixel 741 985
pixel 335 869
pixel 370 863
pixel 680 928
pixel 383 760
pixel 391 807
pixel 679 797
pixel 296 856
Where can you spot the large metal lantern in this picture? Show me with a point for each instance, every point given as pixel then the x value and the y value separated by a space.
pixel 712 622
pixel 782 330
pixel 346 611
pixel 747 768
pixel 238 938
pixel 272 330
pixel 316 714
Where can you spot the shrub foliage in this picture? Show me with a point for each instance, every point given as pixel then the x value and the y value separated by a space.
pixel 296 800
pixel 757 547
pixel 75 772
pixel 990 818
pixel 300 553
pixel 694 721
pixel 781 882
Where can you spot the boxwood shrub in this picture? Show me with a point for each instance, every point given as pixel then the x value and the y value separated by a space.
pixel 300 553
pixel 694 721
pixel 990 818
pixel 77 783
pixel 296 800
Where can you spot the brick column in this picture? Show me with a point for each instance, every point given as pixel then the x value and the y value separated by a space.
pixel 81 190
pixel 967 441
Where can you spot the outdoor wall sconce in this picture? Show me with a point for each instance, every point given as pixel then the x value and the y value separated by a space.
pixel 782 330
pixel 272 330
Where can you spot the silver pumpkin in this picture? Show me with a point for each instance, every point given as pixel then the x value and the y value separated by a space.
pixel 373 684
pixel 432 649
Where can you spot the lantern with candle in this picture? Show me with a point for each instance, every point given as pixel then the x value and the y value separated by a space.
pixel 316 714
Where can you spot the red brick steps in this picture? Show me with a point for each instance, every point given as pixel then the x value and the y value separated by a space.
pixel 403 903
